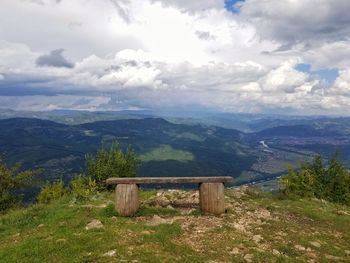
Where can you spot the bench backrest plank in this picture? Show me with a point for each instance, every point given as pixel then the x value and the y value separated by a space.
pixel 169 180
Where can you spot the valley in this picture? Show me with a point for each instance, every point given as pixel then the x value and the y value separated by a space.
pixel 171 149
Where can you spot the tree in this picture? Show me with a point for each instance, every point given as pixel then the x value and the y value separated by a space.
pixel 330 182
pixel 337 182
pixel 298 183
pixel 111 163
pixel 13 179
pixel 52 192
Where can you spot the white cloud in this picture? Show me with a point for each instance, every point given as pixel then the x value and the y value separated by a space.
pixel 285 78
pixel 342 83
pixel 175 53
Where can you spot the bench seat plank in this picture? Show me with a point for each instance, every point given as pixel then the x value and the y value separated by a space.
pixel 169 180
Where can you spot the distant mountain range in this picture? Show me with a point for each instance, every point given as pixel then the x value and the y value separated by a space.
pixel 165 148
pixel 245 122
pixel 172 149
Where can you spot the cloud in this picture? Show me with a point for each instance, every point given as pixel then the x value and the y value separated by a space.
pixel 290 22
pixel 285 79
pixel 122 8
pixel 204 35
pixel 193 6
pixel 54 59
pixel 342 83
pixel 188 54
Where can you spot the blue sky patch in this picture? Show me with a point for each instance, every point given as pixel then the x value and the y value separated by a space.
pixel 230 5
pixel 328 74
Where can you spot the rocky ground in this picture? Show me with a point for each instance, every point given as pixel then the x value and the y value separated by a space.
pixel 169 227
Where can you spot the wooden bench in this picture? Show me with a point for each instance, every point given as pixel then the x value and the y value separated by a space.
pixel 211 191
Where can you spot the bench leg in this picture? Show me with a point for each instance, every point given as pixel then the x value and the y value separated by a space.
pixel 212 198
pixel 127 199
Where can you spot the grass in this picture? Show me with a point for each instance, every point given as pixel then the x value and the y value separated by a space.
pixel 166 152
pixel 190 136
pixel 56 232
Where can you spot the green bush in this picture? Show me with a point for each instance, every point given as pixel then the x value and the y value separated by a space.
pixel 111 163
pixel 315 179
pixel 83 187
pixel 13 179
pixel 52 192
pixel 298 183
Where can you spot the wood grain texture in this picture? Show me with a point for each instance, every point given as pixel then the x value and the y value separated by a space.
pixel 127 199
pixel 212 198
pixel 169 180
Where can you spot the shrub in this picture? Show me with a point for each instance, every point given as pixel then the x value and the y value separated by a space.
pixel 330 182
pixel 12 180
pixel 298 183
pixel 111 163
pixel 52 192
pixel 83 187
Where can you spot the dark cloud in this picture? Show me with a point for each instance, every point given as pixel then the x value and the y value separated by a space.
pixel 309 23
pixel 204 35
pixel 121 6
pixel 54 59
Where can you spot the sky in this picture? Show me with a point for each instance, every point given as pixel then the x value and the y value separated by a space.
pixel 252 56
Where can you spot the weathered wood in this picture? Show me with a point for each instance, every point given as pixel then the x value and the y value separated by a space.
pixel 212 198
pixel 127 199
pixel 169 180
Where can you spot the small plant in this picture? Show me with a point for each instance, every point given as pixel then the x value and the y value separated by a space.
pixel 52 192
pixel 314 179
pixel 108 211
pixel 111 163
pixel 83 187
pixel 13 179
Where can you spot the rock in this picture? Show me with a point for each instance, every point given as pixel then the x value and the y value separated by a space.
pixel 248 257
pixel 187 211
pixel 145 232
pixel 283 234
pixel 160 201
pixel 331 257
pixel 257 238
pixel 94 224
pixel 300 248
pixel 341 212
pixel 41 225
pixel 235 251
pixel 110 253
pixel 263 214
pixel 315 243
pixel 157 220
pixel 276 252
pixel 239 227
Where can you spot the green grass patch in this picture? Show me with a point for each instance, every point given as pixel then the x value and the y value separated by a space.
pixel 146 210
pixel 56 232
pixel 190 136
pixel 166 152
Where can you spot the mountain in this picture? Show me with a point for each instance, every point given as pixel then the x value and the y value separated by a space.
pixel 245 122
pixel 166 149
pixel 170 149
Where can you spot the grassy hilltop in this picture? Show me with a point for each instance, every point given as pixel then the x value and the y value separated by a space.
pixel 169 228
